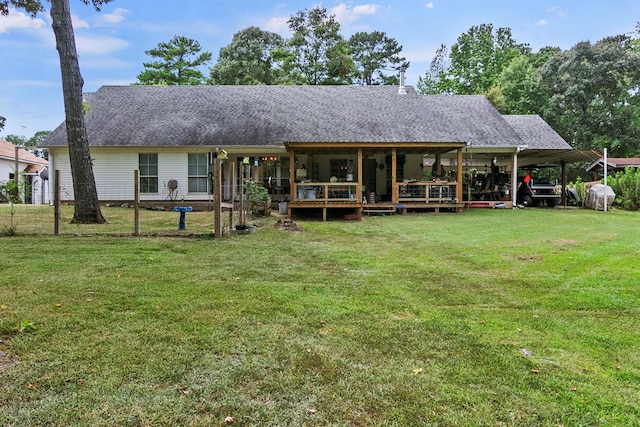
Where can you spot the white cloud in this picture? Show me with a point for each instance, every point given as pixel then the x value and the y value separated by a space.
pixel 113 18
pixel 541 22
pixel 343 12
pixel 429 5
pixel 278 24
pixel 116 17
pixel 99 45
pixel 78 23
pixel 20 21
pixel 346 14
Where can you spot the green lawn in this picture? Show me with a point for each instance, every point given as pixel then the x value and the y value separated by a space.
pixel 485 318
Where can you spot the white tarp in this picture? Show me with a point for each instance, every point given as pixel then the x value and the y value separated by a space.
pixel 597 195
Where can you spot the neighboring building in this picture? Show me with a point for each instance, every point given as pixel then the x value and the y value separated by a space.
pixel 32 173
pixel 326 147
pixel 614 164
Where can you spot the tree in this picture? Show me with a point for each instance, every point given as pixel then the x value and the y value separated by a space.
pixel 30 6
pixel 518 86
pixel 32 143
pixel 593 95
pixel 249 59
pixel 2 122
pixel 435 80
pixel 516 90
pixel 476 60
pixel 374 53
pixel 317 54
pixel 87 205
pixel 177 64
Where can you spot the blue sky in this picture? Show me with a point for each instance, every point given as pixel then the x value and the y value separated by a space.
pixel 112 43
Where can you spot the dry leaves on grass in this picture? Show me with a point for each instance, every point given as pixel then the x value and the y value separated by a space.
pixel 7 360
pixel 287 225
pixel 525 258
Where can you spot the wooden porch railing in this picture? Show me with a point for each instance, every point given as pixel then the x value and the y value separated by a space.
pixel 408 191
pixel 427 192
pixel 328 191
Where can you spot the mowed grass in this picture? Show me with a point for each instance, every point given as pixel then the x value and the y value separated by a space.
pixel 484 318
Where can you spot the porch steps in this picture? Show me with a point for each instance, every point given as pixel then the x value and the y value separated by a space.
pixel 378 209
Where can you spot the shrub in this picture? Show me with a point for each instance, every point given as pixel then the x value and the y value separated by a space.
pixel 626 185
pixel 581 188
pixel 258 197
pixel 9 192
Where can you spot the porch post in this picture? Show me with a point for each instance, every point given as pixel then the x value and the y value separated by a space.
pixel 514 178
pixel 563 182
pixel 394 174
pixel 459 177
pixel 360 176
pixel 217 196
pixel 292 175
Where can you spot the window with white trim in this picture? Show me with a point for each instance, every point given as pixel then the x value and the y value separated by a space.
pixel 198 172
pixel 148 167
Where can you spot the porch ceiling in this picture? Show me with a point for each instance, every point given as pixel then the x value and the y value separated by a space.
pixel 373 147
pixel 549 156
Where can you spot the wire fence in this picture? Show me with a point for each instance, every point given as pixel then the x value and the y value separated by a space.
pixel 163 216
pixel 21 219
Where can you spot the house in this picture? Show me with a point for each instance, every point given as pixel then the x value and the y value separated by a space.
pixel 342 148
pixel 32 172
pixel 614 164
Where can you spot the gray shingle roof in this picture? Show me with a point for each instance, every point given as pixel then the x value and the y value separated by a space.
pixel 270 115
pixel 536 133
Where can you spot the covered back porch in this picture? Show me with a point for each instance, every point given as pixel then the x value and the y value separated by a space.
pixel 356 179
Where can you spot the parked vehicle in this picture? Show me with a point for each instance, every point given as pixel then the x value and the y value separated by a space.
pixel 538 187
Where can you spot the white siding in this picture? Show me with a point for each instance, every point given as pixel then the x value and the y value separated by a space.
pixel 114 169
pixel 113 174
pixel 7 167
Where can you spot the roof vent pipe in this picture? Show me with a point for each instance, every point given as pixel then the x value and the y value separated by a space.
pixel 402 90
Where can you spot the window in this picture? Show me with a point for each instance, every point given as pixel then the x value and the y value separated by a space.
pixel 197 170
pixel 148 166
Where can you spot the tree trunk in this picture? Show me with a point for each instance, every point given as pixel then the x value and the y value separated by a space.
pixel 87 205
